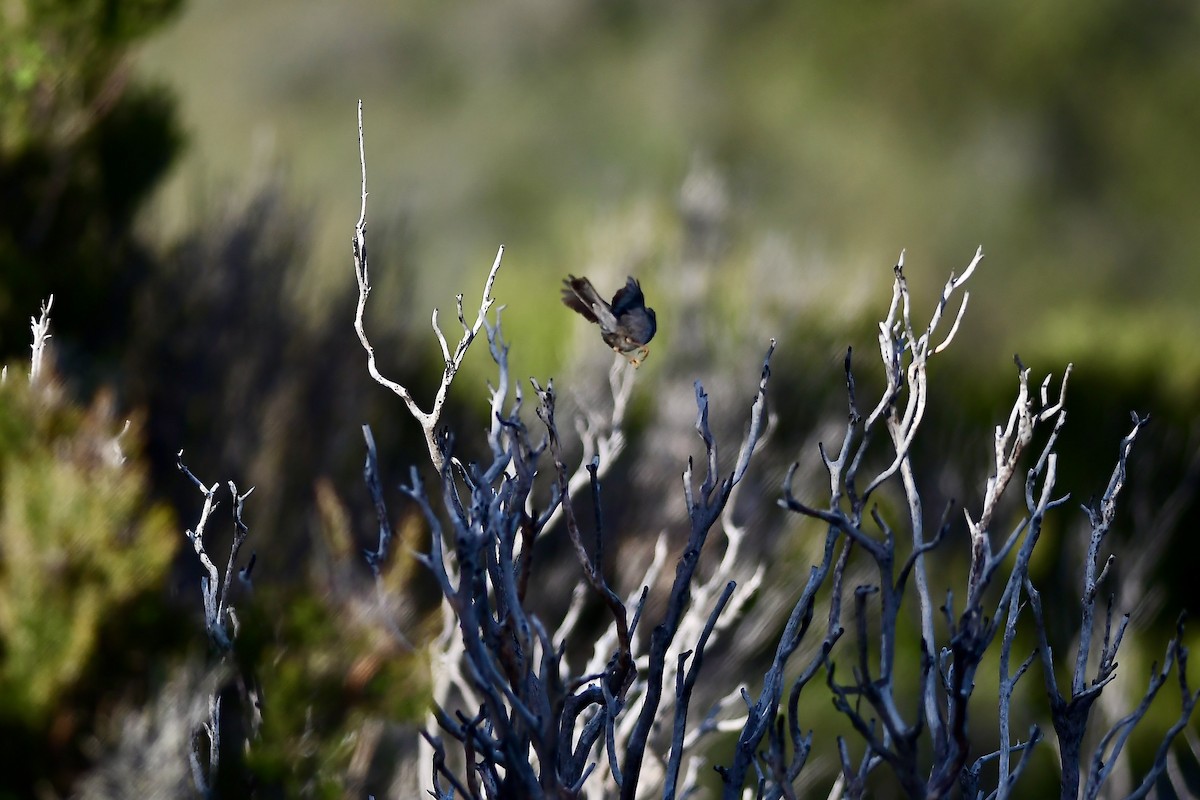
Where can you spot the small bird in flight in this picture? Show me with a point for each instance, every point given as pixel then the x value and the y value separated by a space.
pixel 626 325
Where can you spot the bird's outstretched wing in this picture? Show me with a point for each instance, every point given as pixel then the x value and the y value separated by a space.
pixel 628 297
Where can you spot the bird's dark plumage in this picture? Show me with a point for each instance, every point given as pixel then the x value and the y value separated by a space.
pixel 626 324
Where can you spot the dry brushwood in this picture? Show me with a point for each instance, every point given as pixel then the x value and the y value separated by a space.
pixel 525 722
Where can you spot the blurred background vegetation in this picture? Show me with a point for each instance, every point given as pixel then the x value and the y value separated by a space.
pixel 184 179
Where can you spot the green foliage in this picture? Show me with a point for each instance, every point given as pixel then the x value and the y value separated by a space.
pixel 323 675
pixel 62 60
pixel 81 146
pixel 79 540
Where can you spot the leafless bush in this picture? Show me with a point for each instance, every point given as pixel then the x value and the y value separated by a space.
pixel 208 741
pixel 526 722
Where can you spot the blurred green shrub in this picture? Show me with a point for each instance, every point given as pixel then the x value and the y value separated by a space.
pixel 78 541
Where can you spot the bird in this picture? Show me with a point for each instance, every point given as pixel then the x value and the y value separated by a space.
pixel 626 324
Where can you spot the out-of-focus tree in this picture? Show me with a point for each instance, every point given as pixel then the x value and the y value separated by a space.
pixel 82 144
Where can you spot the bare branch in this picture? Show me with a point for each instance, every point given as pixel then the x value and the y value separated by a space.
pixel 40 327
pixel 427 420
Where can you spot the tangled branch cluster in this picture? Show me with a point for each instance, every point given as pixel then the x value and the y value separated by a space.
pixel 527 722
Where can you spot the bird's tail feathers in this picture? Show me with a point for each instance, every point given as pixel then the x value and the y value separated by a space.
pixel 581 296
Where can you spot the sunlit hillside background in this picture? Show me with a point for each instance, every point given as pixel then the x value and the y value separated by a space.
pixel 185 180
pixel 1061 137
